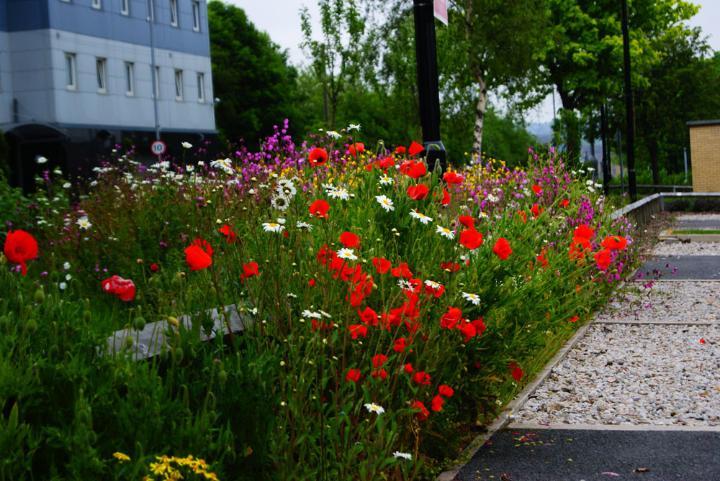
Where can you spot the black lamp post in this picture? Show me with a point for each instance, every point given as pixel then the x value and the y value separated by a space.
pixel 427 77
pixel 629 104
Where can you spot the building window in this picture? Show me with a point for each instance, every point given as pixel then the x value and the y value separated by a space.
pixel 97 4
pixel 129 78
pixel 173 13
pixel 201 87
pixel 178 84
pixel 156 82
pixel 70 71
pixel 101 71
pixel 196 15
pixel 125 7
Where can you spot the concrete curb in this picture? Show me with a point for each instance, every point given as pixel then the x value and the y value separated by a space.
pixel 613 427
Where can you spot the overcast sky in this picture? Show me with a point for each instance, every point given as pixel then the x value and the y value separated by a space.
pixel 281 19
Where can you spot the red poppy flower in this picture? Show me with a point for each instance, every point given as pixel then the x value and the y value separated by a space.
pixel 408 368
pixel 415 148
pixel 523 215
pixel 537 189
pixel 381 264
pixel 578 247
pixel 574 319
pixel 402 270
pixel 437 403
pixel 467 220
pixel 479 324
pixel 536 210
pixel 353 375
pixel 20 247
pixel 379 359
pixel 564 203
pixel 154 267
pixel 251 269
pixel 541 258
pixel 380 373
pixel 471 239
pixel 502 248
pixel 435 290
pixel 451 318
pixel 123 289
pixel 614 243
pixel 198 255
pixel 350 240
pixel 386 163
pixel 312 282
pixel 453 178
pixel 356 148
pixel 400 150
pixel 450 266
pixel 418 192
pixel 468 331
pixel 584 232
pixel 516 371
pixel 422 413
pixel 445 390
pixel 317 156
pixel 603 259
pixel 445 198
pixel 369 317
pixel 319 208
pixel 228 232
pixel 422 378
pixel 358 330
pixel 413 168
pixel 400 344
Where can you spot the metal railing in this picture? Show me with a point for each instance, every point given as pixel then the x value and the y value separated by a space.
pixel 641 211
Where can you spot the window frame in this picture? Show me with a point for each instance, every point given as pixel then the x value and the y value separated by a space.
pixel 96 4
pixel 101 74
pixel 156 81
pixel 200 79
pixel 125 7
pixel 196 15
pixel 174 13
pixel 179 85
pixel 71 81
pixel 130 79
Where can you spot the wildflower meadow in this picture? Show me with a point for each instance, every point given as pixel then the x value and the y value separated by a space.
pixel 389 309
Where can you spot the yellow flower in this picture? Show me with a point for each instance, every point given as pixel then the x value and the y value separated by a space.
pixel 122 457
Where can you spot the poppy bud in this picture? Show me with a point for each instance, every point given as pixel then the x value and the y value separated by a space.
pixel 139 323
pixel 39 295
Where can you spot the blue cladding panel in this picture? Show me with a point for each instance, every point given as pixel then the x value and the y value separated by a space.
pixel 3 17
pixel 77 16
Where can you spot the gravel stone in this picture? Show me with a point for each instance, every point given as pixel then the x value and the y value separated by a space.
pixel 635 374
pixel 662 249
pixel 665 301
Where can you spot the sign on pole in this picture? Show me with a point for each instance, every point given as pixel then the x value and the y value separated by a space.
pixel 441 12
pixel 158 147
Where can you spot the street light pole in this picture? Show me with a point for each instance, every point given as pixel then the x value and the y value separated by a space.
pixel 629 104
pixel 427 78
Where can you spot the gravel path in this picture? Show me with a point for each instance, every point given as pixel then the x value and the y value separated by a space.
pixel 687 249
pixel 633 374
pixel 671 302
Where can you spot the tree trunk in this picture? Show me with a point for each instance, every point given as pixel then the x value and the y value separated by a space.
pixel 571 127
pixel 480 108
pixel 652 146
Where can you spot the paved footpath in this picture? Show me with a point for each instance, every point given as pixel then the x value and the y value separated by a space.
pixel 637 396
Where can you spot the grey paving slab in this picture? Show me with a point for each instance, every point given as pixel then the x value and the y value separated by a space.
pixel 697 224
pixel 681 267
pixel 577 455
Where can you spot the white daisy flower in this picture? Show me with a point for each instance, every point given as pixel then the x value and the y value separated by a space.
pixel 405 285
pixel 325 314
pixel 66 266
pixel 281 220
pixel 445 232
pixel 353 127
pixel 473 299
pixel 347 254
pixel 186 145
pixel 407 456
pixel 222 164
pixel 40 159
pixel 385 202
pixel 492 198
pixel 189 168
pixel 386 180
pixel 280 202
pixel 273 227
pixel 311 314
pixel 66 185
pixel 374 408
pixel 339 193
pixel 303 225
pixel 420 216
pixel 62 286
pixel 286 187
pixel 84 223
pixel 432 284
pixel 333 135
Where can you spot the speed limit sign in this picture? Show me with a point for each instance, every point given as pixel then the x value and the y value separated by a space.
pixel 158 147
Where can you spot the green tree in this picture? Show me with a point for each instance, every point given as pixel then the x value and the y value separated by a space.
pixel 256 86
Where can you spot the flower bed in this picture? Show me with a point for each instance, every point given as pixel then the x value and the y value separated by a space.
pixel 392 308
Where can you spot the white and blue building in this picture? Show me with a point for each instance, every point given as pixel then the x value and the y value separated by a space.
pixel 79 76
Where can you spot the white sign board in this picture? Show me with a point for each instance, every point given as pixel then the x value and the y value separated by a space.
pixel 441 12
pixel 158 147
